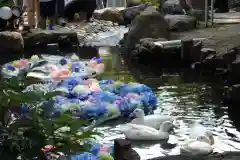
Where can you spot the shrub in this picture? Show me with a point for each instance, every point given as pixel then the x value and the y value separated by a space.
pixel 24 133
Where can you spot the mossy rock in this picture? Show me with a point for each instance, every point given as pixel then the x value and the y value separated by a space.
pixel 131 3
pixel 112 15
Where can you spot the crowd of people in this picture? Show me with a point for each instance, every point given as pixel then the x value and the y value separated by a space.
pixel 38 11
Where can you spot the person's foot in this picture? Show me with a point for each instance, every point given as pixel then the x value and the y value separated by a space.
pixel 51 27
pixel 61 22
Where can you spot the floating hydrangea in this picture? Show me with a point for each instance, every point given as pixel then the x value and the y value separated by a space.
pixel 104 156
pixel 34 58
pixel 74 58
pixel 84 156
pixel 63 61
pixel 10 67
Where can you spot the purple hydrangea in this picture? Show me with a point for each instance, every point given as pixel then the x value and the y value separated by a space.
pixel 10 67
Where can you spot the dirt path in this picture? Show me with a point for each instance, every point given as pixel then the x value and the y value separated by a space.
pixel 221 38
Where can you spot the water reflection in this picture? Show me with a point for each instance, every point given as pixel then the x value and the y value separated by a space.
pixel 182 94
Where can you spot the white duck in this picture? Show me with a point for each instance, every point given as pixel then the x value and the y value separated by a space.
pixel 202 146
pixel 153 121
pixel 197 130
pixel 141 132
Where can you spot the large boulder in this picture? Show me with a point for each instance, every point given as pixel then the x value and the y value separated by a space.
pixel 37 38
pixel 11 42
pixel 172 7
pixel 130 13
pixel 180 22
pixel 149 24
pixel 112 15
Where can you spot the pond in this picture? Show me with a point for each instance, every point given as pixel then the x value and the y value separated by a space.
pixel 182 95
pixel 179 93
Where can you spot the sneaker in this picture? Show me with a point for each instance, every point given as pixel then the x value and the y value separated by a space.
pixel 51 27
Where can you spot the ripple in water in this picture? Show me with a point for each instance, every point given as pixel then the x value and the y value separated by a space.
pixel 192 102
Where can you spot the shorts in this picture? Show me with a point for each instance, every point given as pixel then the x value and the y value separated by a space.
pixel 48 9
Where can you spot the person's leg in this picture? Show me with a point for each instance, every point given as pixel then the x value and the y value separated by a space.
pixel 43 17
pixel 60 12
pixel 60 7
pixel 37 9
pixel 221 6
pixel 31 13
pixel 51 6
pixel 90 8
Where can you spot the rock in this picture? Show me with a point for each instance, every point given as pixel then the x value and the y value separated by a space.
pixel 205 52
pixel 223 61
pixel 198 14
pixel 131 3
pixel 123 150
pixel 11 44
pixel 172 7
pixel 112 15
pixel 235 69
pixel 146 45
pixel 37 37
pixel 149 24
pixel 180 22
pixel 130 13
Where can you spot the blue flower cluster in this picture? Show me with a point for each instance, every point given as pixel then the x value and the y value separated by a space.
pixel 114 99
pixel 94 153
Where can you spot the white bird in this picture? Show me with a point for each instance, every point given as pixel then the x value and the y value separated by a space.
pixel 153 121
pixel 202 146
pixel 197 130
pixel 142 132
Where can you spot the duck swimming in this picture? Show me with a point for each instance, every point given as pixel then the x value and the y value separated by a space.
pixel 202 146
pixel 142 132
pixel 153 121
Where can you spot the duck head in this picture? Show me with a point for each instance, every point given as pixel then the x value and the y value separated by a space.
pixel 137 113
pixel 209 135
pixel 167 126
pixel 204 139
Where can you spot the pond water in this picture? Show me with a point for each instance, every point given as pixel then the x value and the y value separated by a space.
pixel 192 100
pixel 180 94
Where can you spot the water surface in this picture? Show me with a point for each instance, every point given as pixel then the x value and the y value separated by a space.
pixel 192 100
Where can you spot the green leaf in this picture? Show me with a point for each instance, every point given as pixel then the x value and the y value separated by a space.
pixel 50 95
pixel 76 124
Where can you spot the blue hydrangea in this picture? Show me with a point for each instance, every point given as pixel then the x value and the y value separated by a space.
pixel 10 67
pixel 83 156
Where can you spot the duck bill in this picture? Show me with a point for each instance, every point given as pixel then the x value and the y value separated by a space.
pixel 175 127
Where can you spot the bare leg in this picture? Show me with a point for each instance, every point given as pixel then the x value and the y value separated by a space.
pixel 37 9
pixel 42 23
pixel 51 21
pixel 31 13
pixel 89 16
